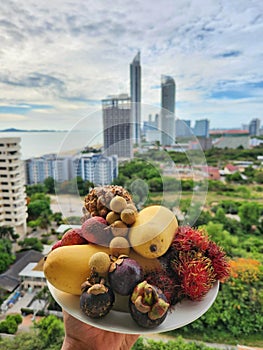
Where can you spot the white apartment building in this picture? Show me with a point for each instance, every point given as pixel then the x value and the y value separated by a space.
pixel 97 168
pixel 40 168
pixel 13 208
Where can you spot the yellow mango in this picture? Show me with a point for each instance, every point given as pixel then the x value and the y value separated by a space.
pixel 153 231
pixel 67 267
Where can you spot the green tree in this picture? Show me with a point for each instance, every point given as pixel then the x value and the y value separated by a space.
pixel 44 220
pixel 37 208
pixel 203 218
pixel 222 237
pixel 8 232
pixel 50 331
pixel 220 216
pixel 50 185
pixel 23 341
pixel 31 243
pixel 178 344
pixel 57 217
pixel 6 255
pixel 249 213
pixel 259 177
pixel 38 188
pixel 10 324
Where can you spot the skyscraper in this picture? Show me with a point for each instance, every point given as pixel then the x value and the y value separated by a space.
pixel 254 127
pixel 135 90
pixel 13 210
pixel 167 112
pixel 117 126
pixel 183 128
pixel 201 128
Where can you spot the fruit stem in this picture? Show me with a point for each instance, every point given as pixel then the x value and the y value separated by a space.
pixel 98 288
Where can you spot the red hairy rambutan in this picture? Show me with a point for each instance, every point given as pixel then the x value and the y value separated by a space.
pixel 196 274
pixel 169 285
pixel 187 238
pixel 219 261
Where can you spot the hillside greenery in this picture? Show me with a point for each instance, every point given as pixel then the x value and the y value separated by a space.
pixel 232 214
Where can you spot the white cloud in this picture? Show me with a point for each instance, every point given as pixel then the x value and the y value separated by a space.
pixel 71 54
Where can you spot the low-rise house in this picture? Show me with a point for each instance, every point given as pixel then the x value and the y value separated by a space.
pixel 10 279
pixel 230 169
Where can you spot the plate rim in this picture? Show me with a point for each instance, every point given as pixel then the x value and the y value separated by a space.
pixel 100 323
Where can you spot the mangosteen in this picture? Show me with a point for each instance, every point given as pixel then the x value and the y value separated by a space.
pixel 124 274
pixel 148 305
pixel 97 298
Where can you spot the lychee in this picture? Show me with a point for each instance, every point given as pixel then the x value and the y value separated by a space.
pixel 95 230
pixel 56 245
pixel 72 237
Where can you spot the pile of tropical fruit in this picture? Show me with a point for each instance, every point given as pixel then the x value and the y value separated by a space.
pixel 141 255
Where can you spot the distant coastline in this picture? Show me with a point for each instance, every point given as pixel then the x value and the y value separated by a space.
pixel 33 130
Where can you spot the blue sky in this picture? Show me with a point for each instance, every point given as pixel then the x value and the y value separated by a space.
pixel 59 59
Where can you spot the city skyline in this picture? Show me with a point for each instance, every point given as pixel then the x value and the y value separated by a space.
pixel 59 60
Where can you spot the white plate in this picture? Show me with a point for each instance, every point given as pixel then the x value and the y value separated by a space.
pixel 182 314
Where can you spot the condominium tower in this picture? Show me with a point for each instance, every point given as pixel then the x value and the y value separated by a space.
pixel 167 112
pixel 13 209
pixel 254 127
pixel 201 128
pixel 117 126
pixel 135 90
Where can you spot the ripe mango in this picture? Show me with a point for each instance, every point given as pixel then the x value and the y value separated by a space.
pixel 66 268
pixel 152 233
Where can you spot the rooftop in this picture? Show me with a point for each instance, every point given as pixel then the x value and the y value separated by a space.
pixel 9 280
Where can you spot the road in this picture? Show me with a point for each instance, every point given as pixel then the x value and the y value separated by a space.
pixel 68 205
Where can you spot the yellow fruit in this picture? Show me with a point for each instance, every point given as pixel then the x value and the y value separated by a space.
pixel 152 233
pixel 100 262
pixel 119 245
pixel 66 268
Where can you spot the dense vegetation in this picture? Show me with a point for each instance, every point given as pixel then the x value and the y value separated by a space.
pixel 237 314
pixel 232 216
pixel 213 156
pixel 178 344
pixel 47 334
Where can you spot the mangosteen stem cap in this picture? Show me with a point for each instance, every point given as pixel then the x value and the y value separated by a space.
pixel 98 288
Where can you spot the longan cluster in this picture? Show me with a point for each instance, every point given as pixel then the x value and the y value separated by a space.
pixel 97 201
pixel 120 217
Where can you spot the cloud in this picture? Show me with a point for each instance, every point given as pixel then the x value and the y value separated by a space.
pixel 12 117
pixel 71 55
pixel 233 53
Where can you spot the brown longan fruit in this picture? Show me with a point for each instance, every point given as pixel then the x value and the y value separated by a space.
pixel 119 246
pixel 117 204
pixel 128 216
pixel 112 216
pixel 100 262
pixel 133 207
pixel 119 228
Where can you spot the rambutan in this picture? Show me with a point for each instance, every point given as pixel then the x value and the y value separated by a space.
pixel 219 261
pixel 196 274
pixel 187 238
pixel 169 285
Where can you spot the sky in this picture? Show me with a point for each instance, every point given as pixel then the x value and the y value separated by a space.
pixel 59 59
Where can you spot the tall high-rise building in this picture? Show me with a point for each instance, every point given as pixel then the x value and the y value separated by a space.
pixel 135 91
pixel 167 112
pixel 201 128
pixel 117 126
pixel 254 127
pixel 183 128
pixel 13 209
